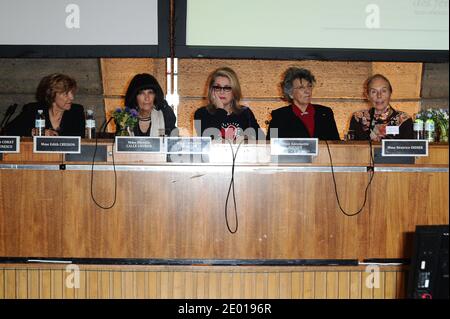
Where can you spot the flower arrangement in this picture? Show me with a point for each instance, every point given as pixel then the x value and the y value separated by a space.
pixel 126 119
pixel 440 118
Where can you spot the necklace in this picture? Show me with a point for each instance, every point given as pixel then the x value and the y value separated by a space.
pixel 145 119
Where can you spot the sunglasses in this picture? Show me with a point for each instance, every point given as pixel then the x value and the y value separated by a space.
pixel 226 89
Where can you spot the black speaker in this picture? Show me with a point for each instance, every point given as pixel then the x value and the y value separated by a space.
pixel 428 275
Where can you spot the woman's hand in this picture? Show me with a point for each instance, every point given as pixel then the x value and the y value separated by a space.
pixel 217 101
pixel 47 132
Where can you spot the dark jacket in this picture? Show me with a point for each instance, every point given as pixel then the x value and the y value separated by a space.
pixel 72 121
pixel 289 125
pixel 221 121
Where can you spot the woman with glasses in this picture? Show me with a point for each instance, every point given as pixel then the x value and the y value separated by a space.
pixel 224 116
pixel 381 120
pixel 301 118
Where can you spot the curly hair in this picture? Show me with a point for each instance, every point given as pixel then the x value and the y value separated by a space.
pixel 52 84
pixel 292 74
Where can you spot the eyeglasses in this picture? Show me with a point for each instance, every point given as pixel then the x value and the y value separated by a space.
pixel 226 89
pixel 304 88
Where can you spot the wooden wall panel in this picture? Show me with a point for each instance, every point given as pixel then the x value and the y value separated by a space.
pixel 340 85
pixel 421 211
pixel 390 282
pixel 34 285
pixel 262 78
pixel 344 286
pixel 111 104
pixel 62 220
pixel 405 78
pixel 34 219
pixel 117 73
pixel 167 282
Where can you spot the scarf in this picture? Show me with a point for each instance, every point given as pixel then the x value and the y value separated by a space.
pixel 158 127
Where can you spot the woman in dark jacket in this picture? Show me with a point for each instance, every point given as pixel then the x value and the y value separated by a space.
pixel 55 94
pixel 301 118
pixel 155 116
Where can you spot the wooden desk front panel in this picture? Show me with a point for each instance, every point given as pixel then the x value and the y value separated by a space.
pixel 180 214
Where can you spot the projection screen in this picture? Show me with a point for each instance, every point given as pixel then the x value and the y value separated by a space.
pixel 92 27
pixel 347 29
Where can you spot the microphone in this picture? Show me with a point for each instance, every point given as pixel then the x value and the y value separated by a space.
pixel 372 121
pixel 105 124
pixel 102 130
pixel 9 112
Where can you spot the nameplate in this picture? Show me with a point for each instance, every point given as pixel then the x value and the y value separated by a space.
pixel 294 146
pixel 404 148
pixel 57 144
pixel 188 145
pixel 138 144
pixel 9 144
pixel 87 154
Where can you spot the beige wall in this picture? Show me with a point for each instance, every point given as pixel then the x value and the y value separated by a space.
pixel 339 84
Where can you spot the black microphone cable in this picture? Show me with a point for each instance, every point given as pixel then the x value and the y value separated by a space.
pixel 102 128
pixel 231 188
pixel 371 171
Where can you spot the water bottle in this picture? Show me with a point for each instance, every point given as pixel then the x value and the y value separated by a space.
pixel 418 129
pixel 90 125
pixel 429 130
pixel 39 123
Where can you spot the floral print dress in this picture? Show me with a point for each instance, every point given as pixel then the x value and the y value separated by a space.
pixel 361 124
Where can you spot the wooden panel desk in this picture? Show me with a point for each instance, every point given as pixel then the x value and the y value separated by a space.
pixel 168 210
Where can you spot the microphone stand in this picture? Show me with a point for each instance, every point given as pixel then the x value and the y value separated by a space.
pixel 9 112
pixel 102 131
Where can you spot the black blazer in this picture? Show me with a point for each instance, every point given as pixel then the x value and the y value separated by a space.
pixel 289 125
pixel 72 122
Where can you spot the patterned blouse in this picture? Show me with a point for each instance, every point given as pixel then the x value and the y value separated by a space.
pixel 360 124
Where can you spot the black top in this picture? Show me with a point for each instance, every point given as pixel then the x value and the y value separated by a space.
pixel 289 125
pixel 72 121
pixel 220 124
pixel 169 123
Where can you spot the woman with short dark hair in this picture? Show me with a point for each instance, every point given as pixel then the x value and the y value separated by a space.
pixel 55 94
pixel 301 118
pixel 155 116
